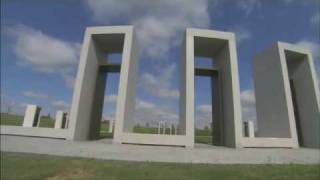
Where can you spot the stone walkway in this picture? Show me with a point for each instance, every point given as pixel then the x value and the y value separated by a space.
pixel 104 149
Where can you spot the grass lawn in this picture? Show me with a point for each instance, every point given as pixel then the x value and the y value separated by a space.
pixel 10 119
pixel 16 166
pixel 16 120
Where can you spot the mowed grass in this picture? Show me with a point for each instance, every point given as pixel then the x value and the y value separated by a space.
pixel 10 119
pixel 16 166
pixel 17 120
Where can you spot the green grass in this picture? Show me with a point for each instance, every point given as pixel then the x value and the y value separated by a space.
pixel 46 122
pixel 16 166
pixel 10 119
pixel 16 120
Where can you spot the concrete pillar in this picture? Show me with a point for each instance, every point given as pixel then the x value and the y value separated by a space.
pixel 249 129
pixel 170 129
pixel 61 120
pixel 175 129
pixel 31 117
pixel 164 127
pixel 159 127
pixel 111 126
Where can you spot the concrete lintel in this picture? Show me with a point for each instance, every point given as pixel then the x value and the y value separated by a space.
pixel 211 33
pixel 206 71
pixel 109 29
pixel 108 67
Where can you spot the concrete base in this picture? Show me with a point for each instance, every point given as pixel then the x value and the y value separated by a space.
pixel 104 149
pixel 259 142
pixel 34 132
pixel 156 139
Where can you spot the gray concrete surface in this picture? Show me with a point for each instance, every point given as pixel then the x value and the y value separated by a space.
pixel 276 71
pixel 104 149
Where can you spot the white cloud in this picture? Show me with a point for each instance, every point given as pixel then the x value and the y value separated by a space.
pixel 315 19
pixel 159 24
pixel 69 80
pixel 203 116
pixel 248 104
pixel 241 33
pixel 43 52
pixel 60 104
pixel 35 95
pixel 147 112
pixel 111 98
pixel 159 85
pixel 11 106
pixel 248 5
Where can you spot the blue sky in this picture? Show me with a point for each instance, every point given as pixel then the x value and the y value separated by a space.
pixel 41 42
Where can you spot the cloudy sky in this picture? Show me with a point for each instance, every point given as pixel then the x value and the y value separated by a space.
pixel 41 43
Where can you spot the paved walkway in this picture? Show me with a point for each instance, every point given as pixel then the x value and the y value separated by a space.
pixel 104 149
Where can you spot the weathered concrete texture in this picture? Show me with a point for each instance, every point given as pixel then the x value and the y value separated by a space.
pixel 221 47
pixel 61 120
pixel 104 149
pixel 31 116
pixel 287 96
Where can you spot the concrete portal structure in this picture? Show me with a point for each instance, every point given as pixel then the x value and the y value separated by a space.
pixel 31 116
pixel 221 47
pixel 88 97
pixel 61 120
pixel 287 96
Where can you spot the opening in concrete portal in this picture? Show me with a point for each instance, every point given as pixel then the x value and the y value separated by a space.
pixel 218 51
pixel 109 105
pixel 207 122
pixel 109 53
pixel 301 89
pixel 203 110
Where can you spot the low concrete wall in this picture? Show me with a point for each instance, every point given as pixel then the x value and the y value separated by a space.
pixel 156 139
pixel 34 132
pixel 269 142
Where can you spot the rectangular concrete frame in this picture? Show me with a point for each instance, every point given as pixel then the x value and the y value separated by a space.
pixel 88 94
pixel 228 67
pixel 275 112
